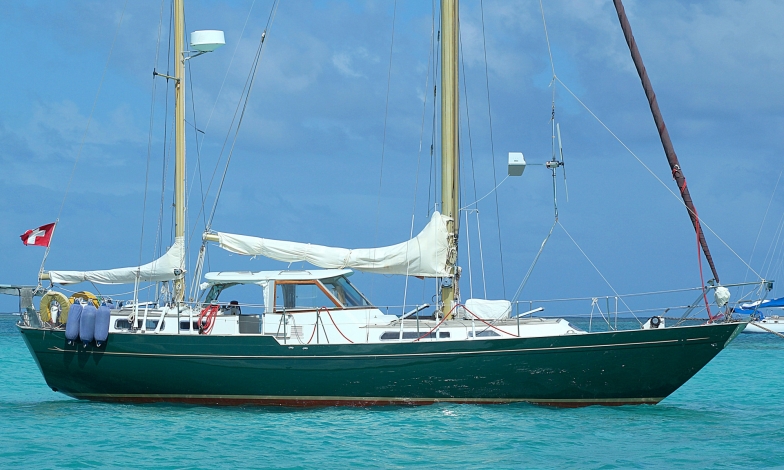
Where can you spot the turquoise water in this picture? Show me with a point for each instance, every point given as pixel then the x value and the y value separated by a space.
pixel 730 415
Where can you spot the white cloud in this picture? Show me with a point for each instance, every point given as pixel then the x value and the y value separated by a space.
pixel 351 63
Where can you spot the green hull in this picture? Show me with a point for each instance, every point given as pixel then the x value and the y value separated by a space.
pixel 613 368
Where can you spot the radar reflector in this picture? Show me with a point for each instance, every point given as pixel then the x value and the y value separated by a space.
pixel 207 40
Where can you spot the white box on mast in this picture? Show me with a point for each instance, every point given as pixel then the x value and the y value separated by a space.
pixel 516 163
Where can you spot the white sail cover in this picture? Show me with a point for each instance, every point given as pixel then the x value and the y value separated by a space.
pixel 162 269
pixel 424 255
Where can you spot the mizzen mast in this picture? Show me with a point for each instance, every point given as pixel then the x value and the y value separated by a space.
pixel 450 167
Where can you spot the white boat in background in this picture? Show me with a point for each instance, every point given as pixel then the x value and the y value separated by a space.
pixel 761 321
pixel 772 324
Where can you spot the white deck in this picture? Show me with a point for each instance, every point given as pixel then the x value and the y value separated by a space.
pixel 338 326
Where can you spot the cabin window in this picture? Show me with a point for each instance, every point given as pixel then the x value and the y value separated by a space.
pixel 483 334
pixel 345 292
pixel 215 291
pixel 302 296
pixel 393 335
pixel 236 299
pixel 184 325
pixel 124 324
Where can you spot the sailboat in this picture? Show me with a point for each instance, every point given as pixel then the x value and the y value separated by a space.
pixel 763 320
pixel 316 340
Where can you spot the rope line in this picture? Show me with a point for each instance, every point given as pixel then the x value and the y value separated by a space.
pixel 336 325
pixel 489 193
pixel 766 329
pixel 489 325
pixel 435 327
pixel 699 263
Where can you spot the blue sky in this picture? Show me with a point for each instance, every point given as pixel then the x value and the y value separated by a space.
pixel 308 161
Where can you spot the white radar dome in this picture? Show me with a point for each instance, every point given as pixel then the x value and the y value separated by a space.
pixel 207 40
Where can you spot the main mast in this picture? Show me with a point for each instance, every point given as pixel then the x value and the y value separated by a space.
pixel 179 138
pixel 450 167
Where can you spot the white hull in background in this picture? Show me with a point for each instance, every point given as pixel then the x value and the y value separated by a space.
pixel 772 323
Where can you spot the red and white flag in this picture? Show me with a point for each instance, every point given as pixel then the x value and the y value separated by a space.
pixel 40 236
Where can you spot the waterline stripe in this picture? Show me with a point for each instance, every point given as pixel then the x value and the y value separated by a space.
pixel 293 400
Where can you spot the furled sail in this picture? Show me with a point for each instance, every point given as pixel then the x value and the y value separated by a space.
pixel 165 268
pixel 424 255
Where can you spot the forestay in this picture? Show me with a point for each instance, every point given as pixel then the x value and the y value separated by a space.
pixel 165 268
pixel 424 255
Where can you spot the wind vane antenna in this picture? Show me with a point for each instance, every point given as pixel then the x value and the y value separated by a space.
pixel 560 149
pixel 669 150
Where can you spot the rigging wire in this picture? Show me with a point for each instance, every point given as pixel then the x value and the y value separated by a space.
pixel 533 264
pixel 203 252
pixel 433 181
pixel 84 134
pixel 167 145
pixel 774 246
pixel 553 82
pixel 473 180
pixel 196 131
pixel 434 54
pixel 215 105
pixel 555 186
pixel 492 147
pixel 764 217
pixel 149 142
pixel 384 137
pixel 597 270
pixel 247 89
pixel 157 249
pixel 547 38
pixel 481 253
pixel 419 162
pixel 702 221
pixel 152 125
pixel 635 294
pixel 555 78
